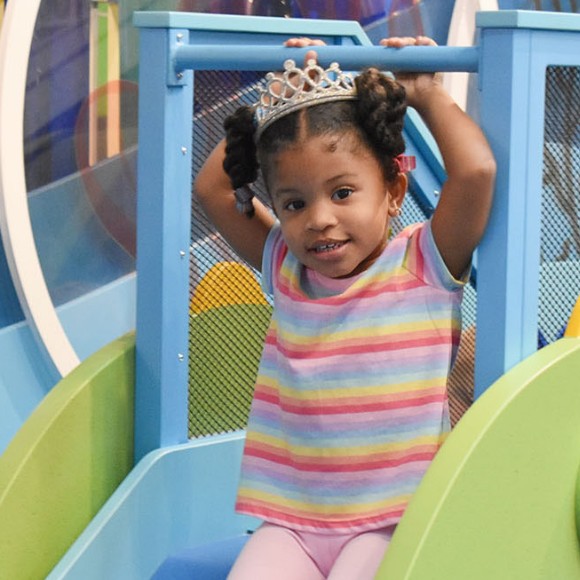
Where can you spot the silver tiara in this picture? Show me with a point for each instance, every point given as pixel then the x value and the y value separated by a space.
pixel 297 88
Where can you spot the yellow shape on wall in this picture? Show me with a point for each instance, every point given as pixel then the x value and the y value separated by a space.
pixel 225 284
pixel 573 329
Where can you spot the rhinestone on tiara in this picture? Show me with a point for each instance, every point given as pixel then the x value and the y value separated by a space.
pixel 297 88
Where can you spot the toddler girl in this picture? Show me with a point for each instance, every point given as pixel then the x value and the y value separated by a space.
pixel 350 402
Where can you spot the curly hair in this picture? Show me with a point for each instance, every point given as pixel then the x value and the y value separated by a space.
pixel 376 117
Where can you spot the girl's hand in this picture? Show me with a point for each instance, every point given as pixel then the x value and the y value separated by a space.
pixel 304 42
pixel 417 85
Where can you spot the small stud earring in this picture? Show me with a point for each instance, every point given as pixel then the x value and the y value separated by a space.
pixel 397 211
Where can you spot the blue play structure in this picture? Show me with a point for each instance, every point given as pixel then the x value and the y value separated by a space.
pixel 173 512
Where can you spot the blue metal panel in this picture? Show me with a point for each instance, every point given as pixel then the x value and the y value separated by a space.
pixel 248 24
pixel 176 497
pixel 505 116
pixel 512 78
pixel 532 19
pixel 164 207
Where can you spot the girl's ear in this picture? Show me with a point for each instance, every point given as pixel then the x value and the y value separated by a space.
pixel 396 191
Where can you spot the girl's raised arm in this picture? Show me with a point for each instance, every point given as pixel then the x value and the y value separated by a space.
pixel 463 209
pixel 214 191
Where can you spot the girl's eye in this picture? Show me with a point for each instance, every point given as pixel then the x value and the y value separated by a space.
pixel 294 205
pixel 342 193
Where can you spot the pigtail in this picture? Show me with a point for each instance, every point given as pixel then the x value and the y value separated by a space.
pixel 241 162
pixel 380 111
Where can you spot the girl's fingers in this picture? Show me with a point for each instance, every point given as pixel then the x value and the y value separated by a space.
pixel 398 41
pixel 303 42
pixel 310 55
pixel 401 41
pixel 425 41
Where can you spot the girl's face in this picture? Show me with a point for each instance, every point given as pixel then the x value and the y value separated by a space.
pixel 333 203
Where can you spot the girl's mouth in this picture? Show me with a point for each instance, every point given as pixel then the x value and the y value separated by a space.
pixel 323 247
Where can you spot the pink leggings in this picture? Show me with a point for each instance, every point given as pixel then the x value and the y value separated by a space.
pixel 278 552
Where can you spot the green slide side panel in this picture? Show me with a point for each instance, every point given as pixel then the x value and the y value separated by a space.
pixel 66 460
pixel 499 500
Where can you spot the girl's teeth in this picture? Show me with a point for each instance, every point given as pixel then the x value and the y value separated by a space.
pixel 326 247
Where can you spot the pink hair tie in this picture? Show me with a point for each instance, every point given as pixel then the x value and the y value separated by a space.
pixel 405 163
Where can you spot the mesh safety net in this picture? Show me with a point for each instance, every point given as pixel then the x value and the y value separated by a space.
pixel 560 233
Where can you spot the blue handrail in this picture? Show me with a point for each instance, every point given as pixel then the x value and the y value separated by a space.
pixel 244 57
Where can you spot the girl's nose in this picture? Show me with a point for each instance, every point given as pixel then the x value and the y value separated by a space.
pixel 321 216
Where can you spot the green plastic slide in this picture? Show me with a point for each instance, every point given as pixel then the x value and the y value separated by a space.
pixel 65 462
pixel 500 500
